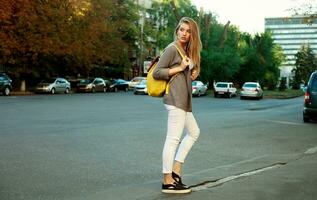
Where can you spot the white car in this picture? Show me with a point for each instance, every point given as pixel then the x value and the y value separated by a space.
pixel 141 88
pixel 135 81
pixel 251 89
pixel 198 88
pixel 225 89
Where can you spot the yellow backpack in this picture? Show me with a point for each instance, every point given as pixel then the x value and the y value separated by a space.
pixel 155 87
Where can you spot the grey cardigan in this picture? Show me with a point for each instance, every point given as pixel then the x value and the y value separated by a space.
pixel 180 91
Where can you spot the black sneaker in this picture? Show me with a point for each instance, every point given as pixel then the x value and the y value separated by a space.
pixel 178 179
pixel 175 188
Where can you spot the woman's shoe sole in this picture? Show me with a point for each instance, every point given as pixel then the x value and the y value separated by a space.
pixel 177 191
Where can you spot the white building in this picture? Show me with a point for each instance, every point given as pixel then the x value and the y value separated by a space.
pixel 291 33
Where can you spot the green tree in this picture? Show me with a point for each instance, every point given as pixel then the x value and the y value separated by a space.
pixel 305 64
pixel 260 59
pixel 50 38
pixel 220 62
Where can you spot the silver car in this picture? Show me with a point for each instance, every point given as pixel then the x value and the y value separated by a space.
pixel 198 88
pixel 251 89
pixel 135 81
pixel 53 85
pixel 140 88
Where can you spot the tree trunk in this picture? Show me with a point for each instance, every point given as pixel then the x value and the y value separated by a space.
pixel 22 87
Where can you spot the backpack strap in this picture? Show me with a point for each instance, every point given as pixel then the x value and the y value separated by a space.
pixel 174 76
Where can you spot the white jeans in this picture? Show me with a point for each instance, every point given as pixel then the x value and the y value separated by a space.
pixel 178 122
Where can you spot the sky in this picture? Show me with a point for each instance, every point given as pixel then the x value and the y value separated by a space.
pixel 249 15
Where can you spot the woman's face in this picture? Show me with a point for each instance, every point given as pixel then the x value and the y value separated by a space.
pixel 183 33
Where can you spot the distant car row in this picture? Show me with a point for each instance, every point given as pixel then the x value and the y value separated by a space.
pixel 248 90
pixel 137 84
pixel 61 85
pixel 198 88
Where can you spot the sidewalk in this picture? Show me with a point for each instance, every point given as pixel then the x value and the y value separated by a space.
pixel 19 93
pixel 294 178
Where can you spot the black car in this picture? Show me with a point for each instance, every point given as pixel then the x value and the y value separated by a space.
pixel 310 103
pixel 119 84
pixel 5 84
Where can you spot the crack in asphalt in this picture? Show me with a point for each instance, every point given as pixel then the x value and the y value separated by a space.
pixel 214 183
pixel 217 182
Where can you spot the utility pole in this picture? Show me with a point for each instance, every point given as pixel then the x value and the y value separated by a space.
pixel 143 5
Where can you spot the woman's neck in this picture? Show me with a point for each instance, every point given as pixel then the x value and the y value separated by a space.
pixel 183 45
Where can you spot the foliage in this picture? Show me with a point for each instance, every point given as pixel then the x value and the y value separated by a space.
pixel 49 38
pixel 306 63
pixel 41 38
pixel 260 59
pixel 282 85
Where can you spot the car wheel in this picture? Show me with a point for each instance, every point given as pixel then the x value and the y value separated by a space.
pixel 305 119
pixel 53 91
pixel 104 89
pixel 7 91
pixel 126 89
pixel 115 89
pixel 198 95
pixel 67 91
pixel 93 90
pixel 229 95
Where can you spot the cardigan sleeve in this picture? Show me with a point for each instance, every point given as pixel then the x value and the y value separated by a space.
pixel 165 62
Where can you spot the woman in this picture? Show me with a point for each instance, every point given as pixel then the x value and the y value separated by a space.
pixel 178 101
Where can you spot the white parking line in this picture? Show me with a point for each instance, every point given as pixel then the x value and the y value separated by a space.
pixel 230 178
pixel 311 150
pixel 286 123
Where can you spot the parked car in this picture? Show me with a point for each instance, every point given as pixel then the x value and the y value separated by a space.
pixel 53 85
pixel 135 81
pixel 141 88
pixel 251 90
pixel 92 85
pixel 310 102
pixel 225 89
pixel 108 84
pixel 198 88
pixel 5 84
pixel 119 84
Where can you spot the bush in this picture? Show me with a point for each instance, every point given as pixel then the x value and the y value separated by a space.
pixel 282 86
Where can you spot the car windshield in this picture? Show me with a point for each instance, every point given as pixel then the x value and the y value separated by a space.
pixel 86 81
pixel 137 79
pixel 194 83
pixel 251 85
pixel 222 85
pixel 50 80
pixel 143 82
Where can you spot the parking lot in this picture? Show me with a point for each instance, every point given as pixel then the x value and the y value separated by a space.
pixel 108 145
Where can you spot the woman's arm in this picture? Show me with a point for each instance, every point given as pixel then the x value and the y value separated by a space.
pixel 185 63
pixel 164 70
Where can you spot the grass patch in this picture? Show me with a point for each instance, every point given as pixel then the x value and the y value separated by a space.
pixel 273 94
pixel 286 94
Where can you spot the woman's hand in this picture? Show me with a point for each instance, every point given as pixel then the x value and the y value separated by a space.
pixel 194 74
pixel 185 63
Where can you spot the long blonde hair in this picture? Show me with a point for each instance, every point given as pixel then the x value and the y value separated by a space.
pixel 194 46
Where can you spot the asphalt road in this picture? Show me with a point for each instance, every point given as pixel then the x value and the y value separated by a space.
pixel 108 146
